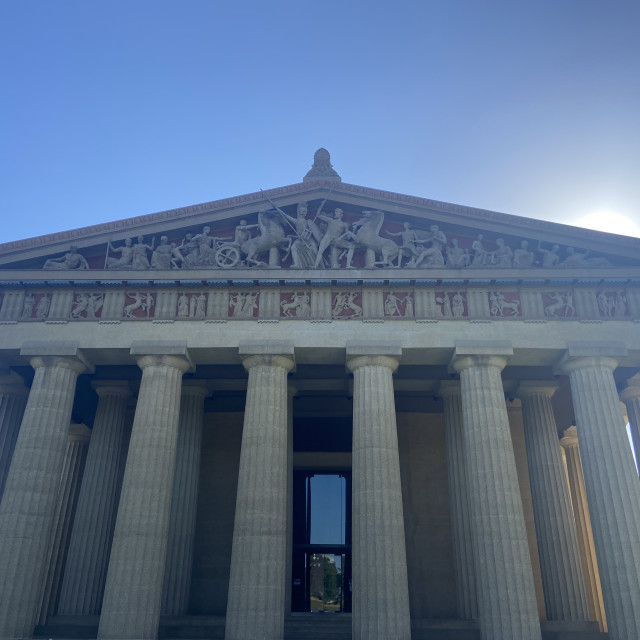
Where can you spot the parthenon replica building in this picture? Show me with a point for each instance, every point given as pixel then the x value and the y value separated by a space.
pixel 320 411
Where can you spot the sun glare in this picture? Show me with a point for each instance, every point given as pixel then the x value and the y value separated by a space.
pixel 610 222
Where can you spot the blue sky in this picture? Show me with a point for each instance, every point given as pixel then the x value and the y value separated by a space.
pixel 112 109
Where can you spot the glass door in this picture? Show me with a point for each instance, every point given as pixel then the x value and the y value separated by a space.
pixel 321 568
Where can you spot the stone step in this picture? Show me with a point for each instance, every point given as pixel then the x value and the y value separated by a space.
pixel 306 627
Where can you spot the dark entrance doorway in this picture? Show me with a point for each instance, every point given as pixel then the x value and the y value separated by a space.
pixel 321 567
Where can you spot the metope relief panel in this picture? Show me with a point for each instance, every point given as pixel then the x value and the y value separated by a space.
pixel 504 304
pixel 296 304
pixel 36 306
pixel 192 305
pixel 398 304
pixel 558 304
pixel 139 305
pixel 87 306
pixel 346 305
pixel 452 304
pixel 612 304
pixel 243 304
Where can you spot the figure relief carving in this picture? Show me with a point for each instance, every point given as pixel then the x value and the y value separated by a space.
pixel 457 257
pixel 338 239
pixel 522 257
pixel 28 305
pixel 550 257
pixel 193 305
pixel 612 305
pixel 140 259
pixel 432 255
pixel 335 240
pixel 141 307
pixel 125 261
pixel 347 304
pixel 87 305
pixel 451 304
pixel 295 305
pixel 243 305
pixel 559 304
pixel 43 306
pixel 501 305
pixel 70 260
pixel 395 305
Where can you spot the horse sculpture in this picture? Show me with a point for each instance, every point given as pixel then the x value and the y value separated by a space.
pixel 367 233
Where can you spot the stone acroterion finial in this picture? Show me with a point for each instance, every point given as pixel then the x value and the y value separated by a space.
pixel 322 168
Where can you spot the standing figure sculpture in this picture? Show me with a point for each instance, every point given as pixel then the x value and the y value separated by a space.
pixel 140 257
pixel 304 247
pixel 336 236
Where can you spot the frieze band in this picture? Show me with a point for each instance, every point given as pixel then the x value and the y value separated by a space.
pixel 392 302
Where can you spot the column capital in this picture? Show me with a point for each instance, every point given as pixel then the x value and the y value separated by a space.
pixel 13 384
pixel 480 353
pixel 528 388
pixel 632 392
pixel 449 388
pixel 163 353
pixel 580 355
pixel 570 438
pixel 119 388
pixel 195 388
pixel 51 353
pixel 276 353
pixel 361 353
pixel 79 433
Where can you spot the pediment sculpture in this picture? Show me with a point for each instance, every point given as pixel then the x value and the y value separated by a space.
pixel 276 239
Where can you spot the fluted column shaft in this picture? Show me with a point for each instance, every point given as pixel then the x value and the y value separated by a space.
pixel 182 519
pixel 613 490
pixel 584 532
pixel 562 579
pixel 631 397
pixel 255 606
pixel 30 497
pixel 380 586
pixel 88 557
pixel 133 590
pixel 466 596
pixel 72 473
pixel 13 399
pixel 507 607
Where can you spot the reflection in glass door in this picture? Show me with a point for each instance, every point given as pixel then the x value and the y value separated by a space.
pixel 321 568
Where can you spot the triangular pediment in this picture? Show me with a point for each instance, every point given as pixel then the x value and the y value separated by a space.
pixel 320 225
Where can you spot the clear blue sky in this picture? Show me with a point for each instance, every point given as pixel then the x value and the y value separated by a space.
pixel 112 109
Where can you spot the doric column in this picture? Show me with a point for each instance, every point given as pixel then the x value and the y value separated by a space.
pixel 30 496
pixel 72 473
pixel 380 587
pixel 583 527
pixel 133 589
pixel 631 397
pixel 562 579
pixel 13 399
pixel 88 558
pixel 611 480
pixel 467 599
pixel 182 520
pixel 255 606
pixel 507 607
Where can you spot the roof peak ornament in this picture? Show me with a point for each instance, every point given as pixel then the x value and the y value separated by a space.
pixel 322 169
